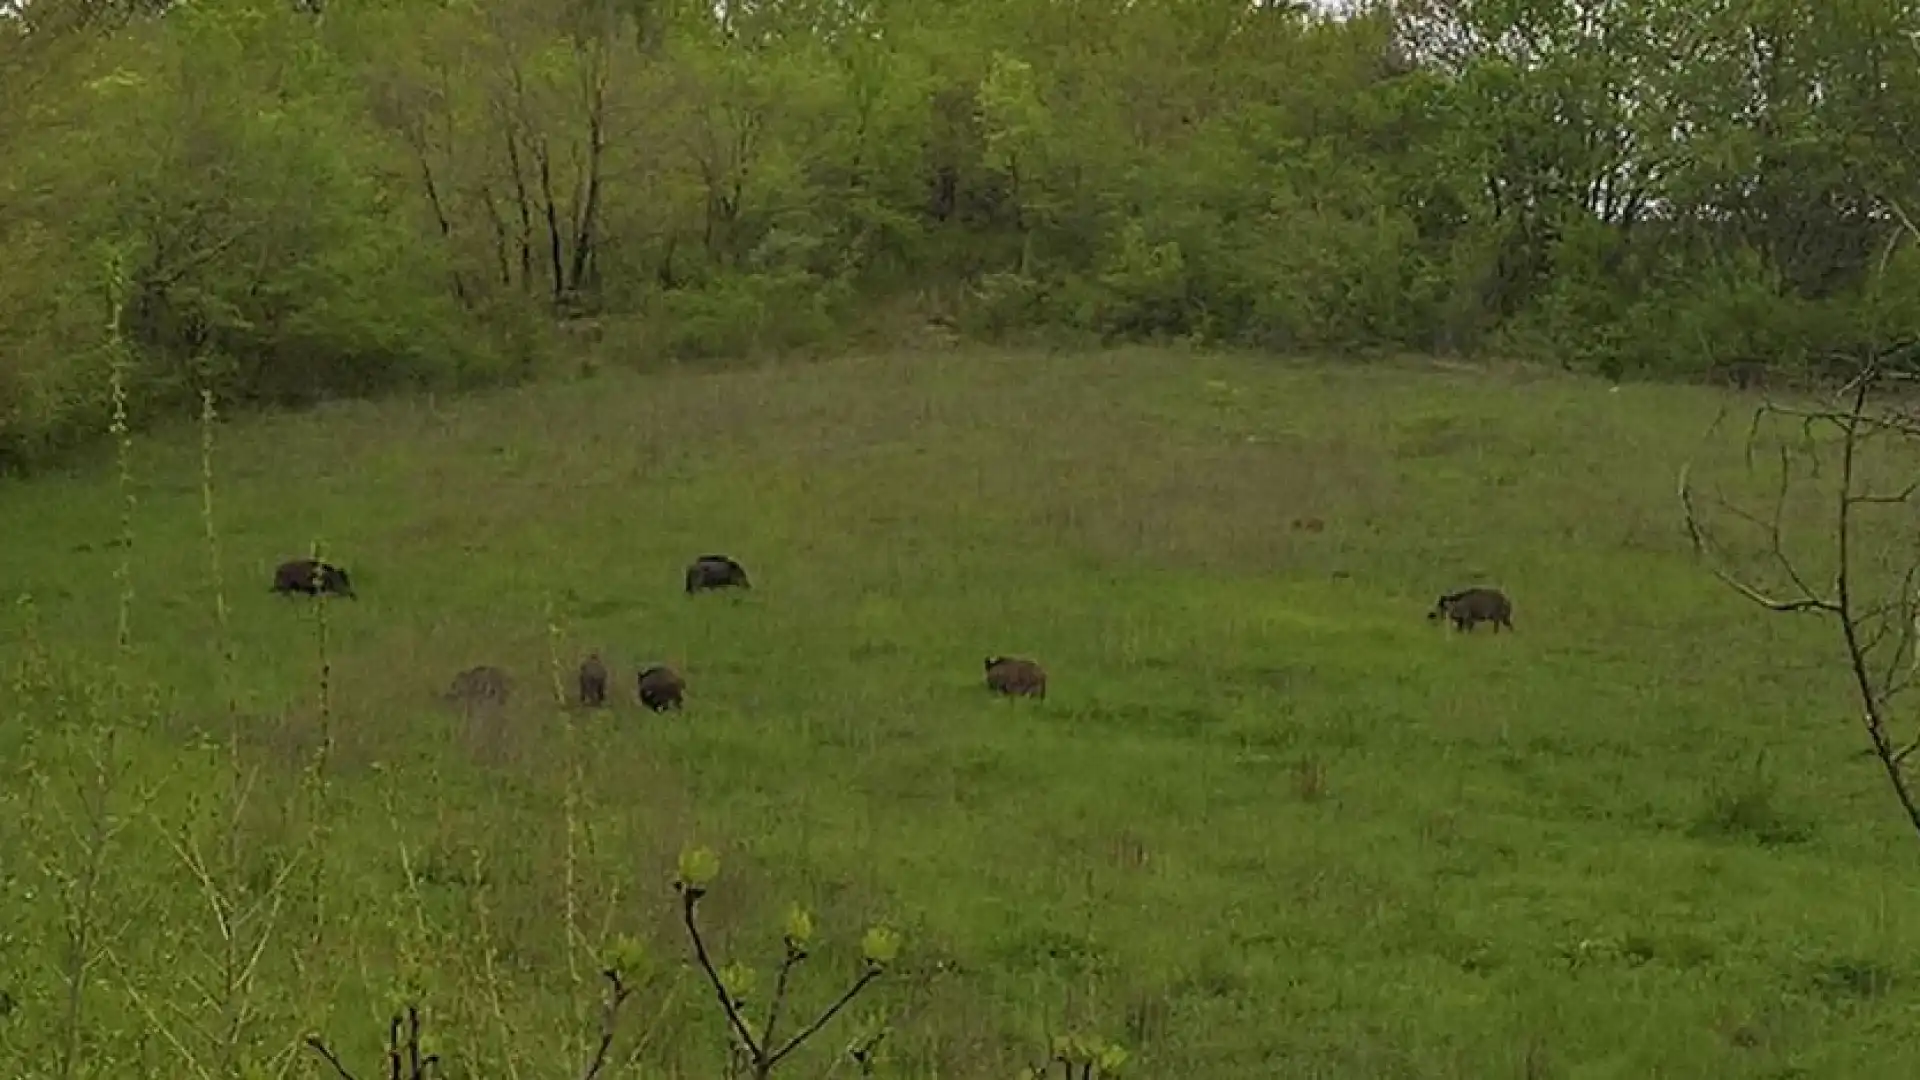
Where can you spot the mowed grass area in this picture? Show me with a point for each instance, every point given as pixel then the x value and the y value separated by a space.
pixel 1270 822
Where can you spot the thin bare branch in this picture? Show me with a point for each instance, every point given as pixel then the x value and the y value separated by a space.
pixel 1704 547
pixel 617 994
pixel 146 1008
pixel 1870 499
pixel 794 955
pixel 412 1066
pixel 1901 757
pixel 689 899
pixel 833 1010
pixel 326 1054
pixel 1866 628
pixel 1906 222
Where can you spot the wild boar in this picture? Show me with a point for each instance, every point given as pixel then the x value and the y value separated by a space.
pixel 661 688
pixel 716 572
pixel 1470 607
pixel 593 681
pixel 312 577
pixel 1016 677
pixel 476 685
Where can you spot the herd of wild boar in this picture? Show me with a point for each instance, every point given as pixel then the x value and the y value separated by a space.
pixel 659 687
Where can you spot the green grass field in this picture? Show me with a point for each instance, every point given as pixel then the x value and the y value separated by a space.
pixel 1270 822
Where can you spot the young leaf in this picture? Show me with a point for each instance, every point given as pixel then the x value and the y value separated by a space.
pixel 624 955
pixel 738 978
pixel 880 946
pixel 698 867
pixel 799 926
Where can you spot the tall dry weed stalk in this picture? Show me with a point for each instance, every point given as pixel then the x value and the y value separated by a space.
pixel 581 949
pixel 83 793
pixel 213 1021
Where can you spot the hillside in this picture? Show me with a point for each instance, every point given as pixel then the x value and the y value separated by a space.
pixel 348 200
pixel 1269 821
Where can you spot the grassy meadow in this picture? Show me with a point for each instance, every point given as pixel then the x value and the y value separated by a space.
pixel 1270 822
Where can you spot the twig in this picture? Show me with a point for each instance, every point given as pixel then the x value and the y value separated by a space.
pixel 689 897
pixel 795 954
pixel 853 991
pixel 320 1047
pixel 617 994
pixel 1702 546
pixel 166 1032
pixel 862 1052
pixel 417 1067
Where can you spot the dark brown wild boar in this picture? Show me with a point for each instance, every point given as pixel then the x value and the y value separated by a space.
pixel 661 688
pixel 312 577
pixel 1016 677
pixel 716 572
pixel 1470 607
pixel 593 681
pixel 483 684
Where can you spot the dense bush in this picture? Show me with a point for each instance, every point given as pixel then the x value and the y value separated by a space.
pixel 387 195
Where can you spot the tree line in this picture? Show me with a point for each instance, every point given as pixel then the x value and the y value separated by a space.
pixel 284 201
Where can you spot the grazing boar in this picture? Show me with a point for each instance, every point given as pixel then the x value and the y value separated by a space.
pixel 1473 606
pixel 485 683
pixel 716 572
pixel 593 681
pixel 661 688
pixel 312 577
pixel 1016 677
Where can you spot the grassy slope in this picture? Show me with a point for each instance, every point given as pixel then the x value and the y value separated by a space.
pixel 1503 863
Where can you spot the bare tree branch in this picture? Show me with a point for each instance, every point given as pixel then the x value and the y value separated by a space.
pixel 1879 634
pixel 689 900
pixel 808 1032
pixel 417 1066
pixel 1703 546
pixel 320 1047
pixel 617 993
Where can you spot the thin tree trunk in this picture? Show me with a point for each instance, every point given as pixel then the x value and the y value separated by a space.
pixel 525 201
pixel 418 140
pixel 500 240
pixel 556 243
pixel 586 226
